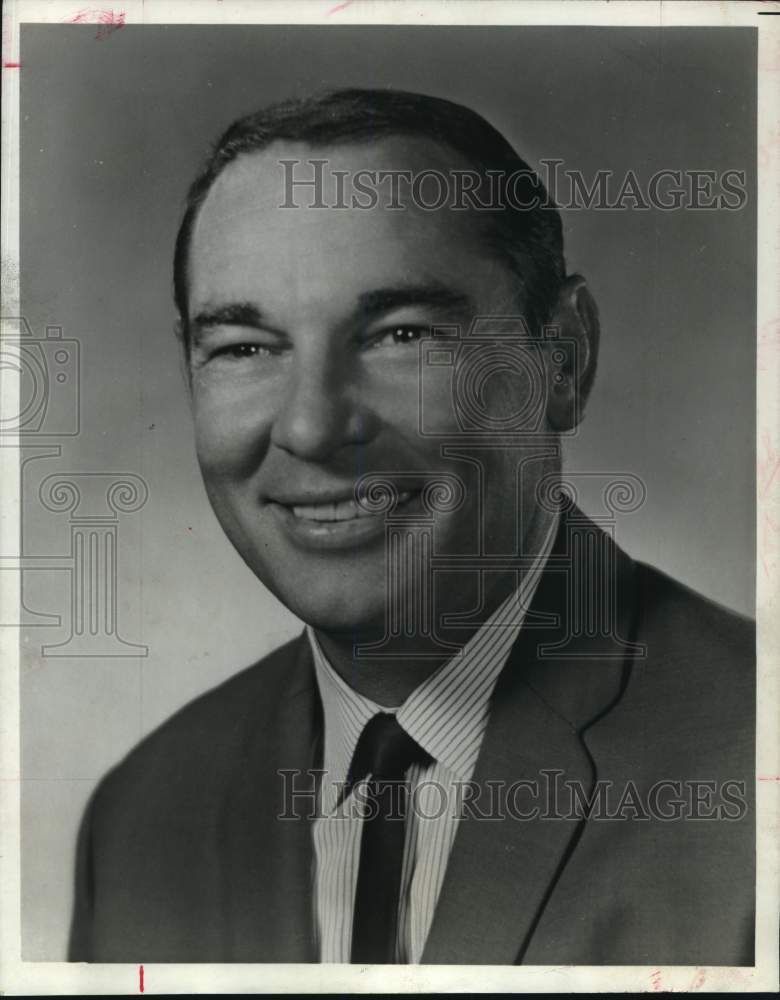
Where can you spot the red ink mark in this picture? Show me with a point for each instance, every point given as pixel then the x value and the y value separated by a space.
pixel 768 148
pixel 107 20
pixel 10 65
pixel 141 978
pixel 768 467
pixel 768 344
pixel 698 980
pixel 655 980
pixel 768 471
pixel 770 777
pixel 338 7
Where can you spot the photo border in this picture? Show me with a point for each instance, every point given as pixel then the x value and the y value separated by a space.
pixel 35 978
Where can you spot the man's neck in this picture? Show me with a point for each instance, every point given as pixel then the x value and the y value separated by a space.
pixel 387 680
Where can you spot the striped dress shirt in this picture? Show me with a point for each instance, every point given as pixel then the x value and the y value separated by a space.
pixel 447 715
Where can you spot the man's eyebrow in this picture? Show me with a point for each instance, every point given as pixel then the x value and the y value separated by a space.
pixel 233 314
pixel 431 296
pixel 369 306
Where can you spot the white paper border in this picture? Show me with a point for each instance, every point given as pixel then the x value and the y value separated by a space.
pixel 59 978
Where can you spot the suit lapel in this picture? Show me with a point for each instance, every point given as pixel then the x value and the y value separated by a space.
pixel 268 859
pixel 559 681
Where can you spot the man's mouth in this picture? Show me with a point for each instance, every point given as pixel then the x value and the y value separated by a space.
pixel 338 510
pixel 333 523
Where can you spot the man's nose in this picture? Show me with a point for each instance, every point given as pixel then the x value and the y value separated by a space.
pixel 321 411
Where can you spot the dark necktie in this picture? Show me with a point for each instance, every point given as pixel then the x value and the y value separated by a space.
pixel 385 751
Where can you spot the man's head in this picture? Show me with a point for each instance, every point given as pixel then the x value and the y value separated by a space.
pixel 302 325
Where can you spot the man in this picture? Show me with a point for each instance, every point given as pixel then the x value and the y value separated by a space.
pixel 379 387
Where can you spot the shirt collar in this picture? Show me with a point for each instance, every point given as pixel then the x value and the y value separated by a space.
pixel 447 714
pixel 345 713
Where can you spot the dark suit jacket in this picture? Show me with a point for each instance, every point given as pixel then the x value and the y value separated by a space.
pixel 620 675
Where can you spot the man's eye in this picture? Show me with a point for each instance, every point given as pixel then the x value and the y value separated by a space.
pixel 397 336
pixel 239 352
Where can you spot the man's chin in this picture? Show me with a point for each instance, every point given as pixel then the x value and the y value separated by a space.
pixel 344 619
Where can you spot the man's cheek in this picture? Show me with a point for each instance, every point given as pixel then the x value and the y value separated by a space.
pixel 220 456
pixel 230 441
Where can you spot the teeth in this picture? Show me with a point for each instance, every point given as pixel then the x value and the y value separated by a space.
pixel 342 510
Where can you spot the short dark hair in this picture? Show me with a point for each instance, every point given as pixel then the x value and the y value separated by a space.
pixel 530 239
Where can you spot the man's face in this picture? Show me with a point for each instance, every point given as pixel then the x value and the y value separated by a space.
pixel 305 375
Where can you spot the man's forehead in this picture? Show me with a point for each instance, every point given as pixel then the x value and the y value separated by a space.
pixel 278 173
pixel 301 260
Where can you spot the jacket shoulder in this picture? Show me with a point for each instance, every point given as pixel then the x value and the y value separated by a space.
pixel 693 624
pixel 192 750
pixel 696 673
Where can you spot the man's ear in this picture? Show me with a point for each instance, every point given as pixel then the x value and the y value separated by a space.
pixel 573 353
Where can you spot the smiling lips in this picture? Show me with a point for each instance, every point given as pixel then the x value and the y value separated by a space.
pixel 339 510
pixel 328 524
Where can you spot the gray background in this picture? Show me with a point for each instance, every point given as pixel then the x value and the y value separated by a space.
pixel 112 130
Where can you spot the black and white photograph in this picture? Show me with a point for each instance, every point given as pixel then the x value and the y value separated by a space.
pixel 391 505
